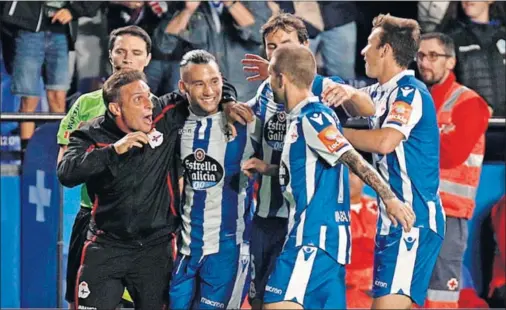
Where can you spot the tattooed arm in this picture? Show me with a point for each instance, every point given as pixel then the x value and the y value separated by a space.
pixel 397 211
pixel 367 173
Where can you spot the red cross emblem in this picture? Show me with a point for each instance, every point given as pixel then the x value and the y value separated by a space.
pixel 452 284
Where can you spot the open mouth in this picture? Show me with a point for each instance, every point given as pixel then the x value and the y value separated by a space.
pixel 148 119
pixel 208 100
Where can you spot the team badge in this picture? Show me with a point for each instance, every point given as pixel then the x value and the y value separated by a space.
pixel 84 290
pixel 155 138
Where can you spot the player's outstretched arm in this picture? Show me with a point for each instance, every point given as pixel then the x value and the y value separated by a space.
pixel 253 165
pixel 379 141
pixel 397 210
pixel 355 101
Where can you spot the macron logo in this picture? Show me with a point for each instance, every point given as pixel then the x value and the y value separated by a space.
pixel 273 290
pixel 406 91
pixel 317 117
pixel 380 284
pixel 410 241
pixel 212 303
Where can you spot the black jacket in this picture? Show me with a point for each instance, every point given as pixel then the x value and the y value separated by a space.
pixel 334 14
pixel 481 61
pixel 136 193
pixel 29 15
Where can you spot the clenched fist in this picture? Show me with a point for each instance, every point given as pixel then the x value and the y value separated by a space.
pixel 133 139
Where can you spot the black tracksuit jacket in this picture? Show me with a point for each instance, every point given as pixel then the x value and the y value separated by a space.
pixel 136 193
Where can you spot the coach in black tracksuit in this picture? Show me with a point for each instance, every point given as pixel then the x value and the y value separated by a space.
pixel 131 171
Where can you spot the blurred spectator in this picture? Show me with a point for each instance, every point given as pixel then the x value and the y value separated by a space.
pixel 479 32
pixel 359 273
pixel 145 14
pixel 43 33
pixel 431 13
pixel 463 119
pixel 228 29
pixel 163 70
pixel 468 297
pixel 90 50
pixel 497 292
pixel 332 31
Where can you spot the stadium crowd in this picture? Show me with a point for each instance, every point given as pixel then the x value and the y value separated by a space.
pixel 237 116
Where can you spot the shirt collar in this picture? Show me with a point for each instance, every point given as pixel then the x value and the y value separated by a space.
pixel 296 110
pixel 392 83
pixel 111 125
pixel 195 117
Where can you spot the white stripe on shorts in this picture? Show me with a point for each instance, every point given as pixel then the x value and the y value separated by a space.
pixel 405 263
pixel 300 276
pixel 240 279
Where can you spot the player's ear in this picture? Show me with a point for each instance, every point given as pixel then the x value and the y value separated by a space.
pixel 282 80
pixel 182 87
pixel 385 49
pixel 450 63
pixel 114 108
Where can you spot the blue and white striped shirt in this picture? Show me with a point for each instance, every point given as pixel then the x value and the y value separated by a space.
pixel 314 183
pixel 412 170
pixel 268 137
pixel 215 190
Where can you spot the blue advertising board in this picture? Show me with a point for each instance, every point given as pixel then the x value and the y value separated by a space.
pixel 40 218
pixel 9 237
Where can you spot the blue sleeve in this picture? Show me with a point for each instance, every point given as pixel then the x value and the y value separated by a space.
pixel 318 89
pixel 318 83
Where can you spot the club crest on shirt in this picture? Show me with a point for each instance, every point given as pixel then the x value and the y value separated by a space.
pixel 155 138
pixel 284 176
pixel 83 290
pixel 292 134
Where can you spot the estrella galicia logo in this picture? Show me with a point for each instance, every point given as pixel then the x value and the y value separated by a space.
pixel 202 171
pixel 275 130
pixel 284 176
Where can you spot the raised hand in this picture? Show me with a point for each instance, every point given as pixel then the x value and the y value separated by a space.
pixel 334 94
pixel 257 65
pixel 133 139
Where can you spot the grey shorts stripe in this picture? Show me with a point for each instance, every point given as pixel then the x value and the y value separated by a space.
pixel 446 277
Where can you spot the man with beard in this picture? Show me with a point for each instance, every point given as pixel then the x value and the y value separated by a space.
pixel 463 119
pixel 215 197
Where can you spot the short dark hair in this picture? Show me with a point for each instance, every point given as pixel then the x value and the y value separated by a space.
pixel 286 22
pixel 133 30
pixel 402 34
pixel 197 57
pixel 297 62
pixel 112 87
pixel 445 40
